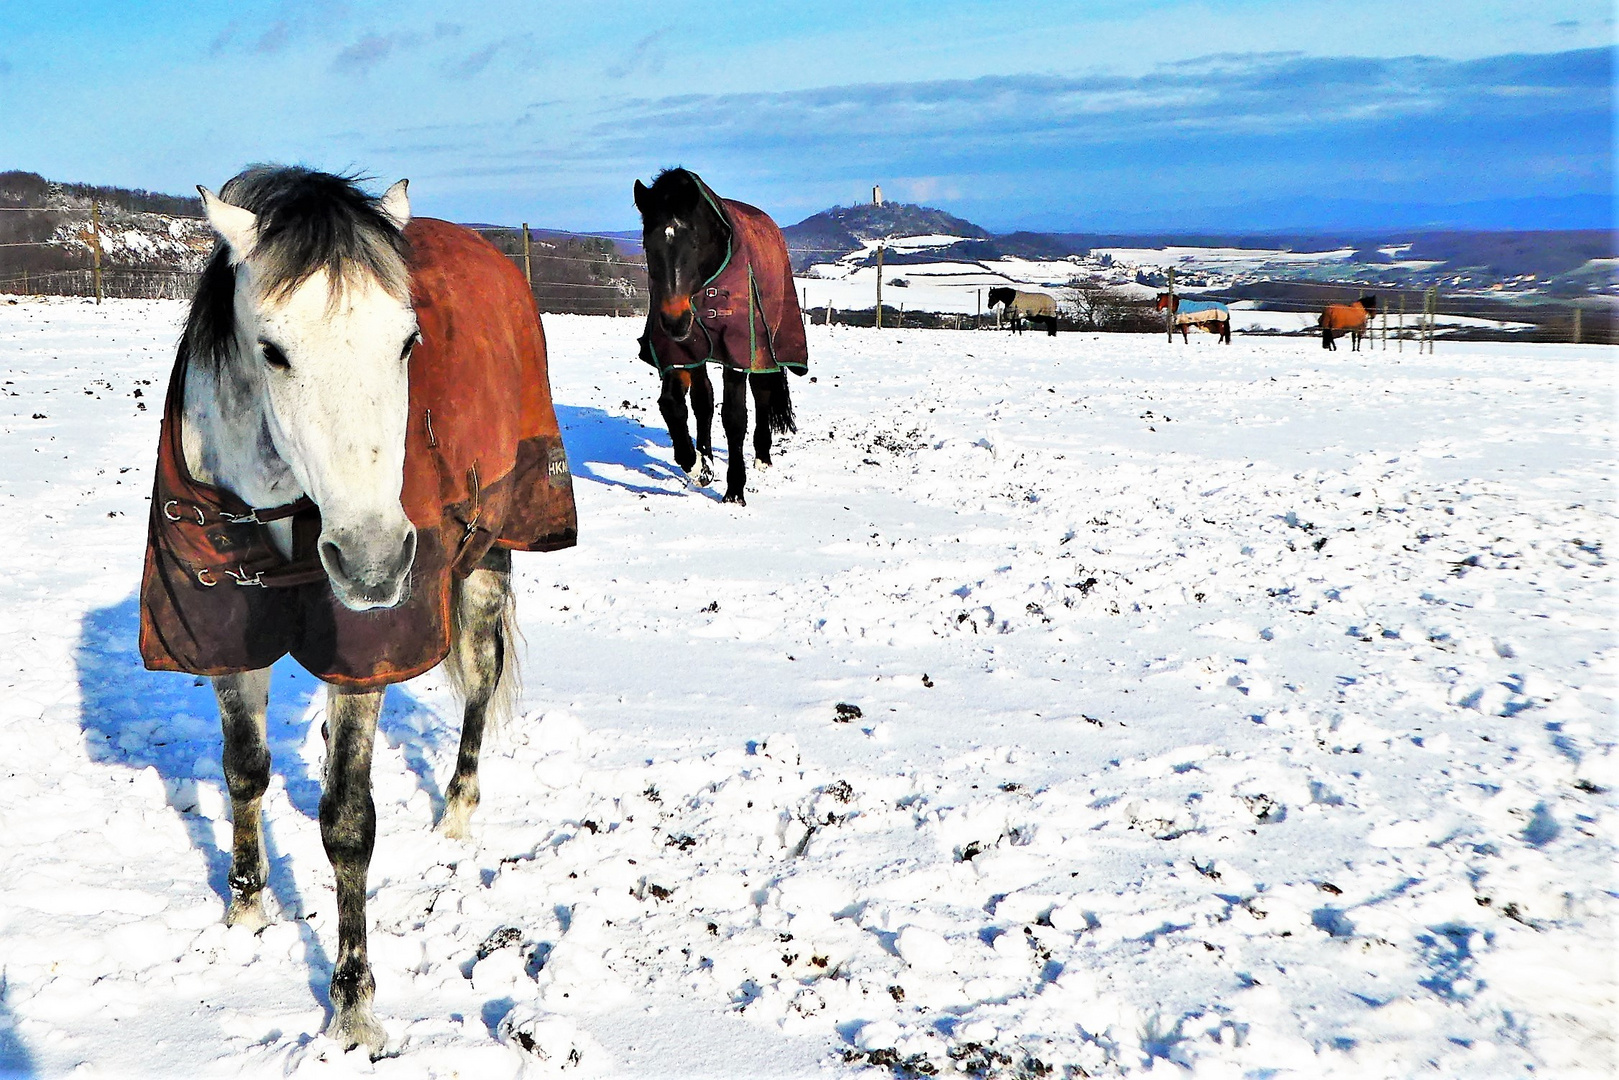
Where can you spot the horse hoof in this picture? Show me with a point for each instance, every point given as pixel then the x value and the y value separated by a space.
pixel 761 464
pixel 248 913
pixel 735 497
pixel 456 821
pixel 705 476
pixel 356 1027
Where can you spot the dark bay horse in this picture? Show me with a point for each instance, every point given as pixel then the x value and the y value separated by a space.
pixel 1351 319
pixel 722 292
pixel 1019 306
pixel 358 433
pixel 1203 314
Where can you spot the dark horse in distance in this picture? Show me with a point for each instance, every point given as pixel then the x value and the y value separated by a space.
pixel 1352 319
pixel 722 293
pixel 1021 307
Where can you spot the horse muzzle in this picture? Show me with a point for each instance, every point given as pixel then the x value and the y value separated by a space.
pixel 677 318
pixel 369 567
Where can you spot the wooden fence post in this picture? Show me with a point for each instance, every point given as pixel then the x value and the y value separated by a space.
pixel 95 249
pixel 1169 311
pixel 1576 324
pixel 528 265
pixel 879 323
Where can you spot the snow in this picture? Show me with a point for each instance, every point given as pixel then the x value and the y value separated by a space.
pixel 1238 710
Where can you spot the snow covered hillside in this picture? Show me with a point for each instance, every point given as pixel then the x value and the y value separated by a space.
pixel 1076 706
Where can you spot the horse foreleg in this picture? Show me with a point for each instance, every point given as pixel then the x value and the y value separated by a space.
pixel 734 417
pixel 761 387
pixel 243 700
pixel 672 403
pixel 348 830
pixel 482 607
pixel 702 406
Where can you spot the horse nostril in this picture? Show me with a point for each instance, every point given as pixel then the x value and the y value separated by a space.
pixel 407 553
pixel 332 556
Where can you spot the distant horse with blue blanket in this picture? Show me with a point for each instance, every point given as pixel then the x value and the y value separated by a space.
pixel 1203 314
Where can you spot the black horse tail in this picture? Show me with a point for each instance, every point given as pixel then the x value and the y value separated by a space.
pixel 779 412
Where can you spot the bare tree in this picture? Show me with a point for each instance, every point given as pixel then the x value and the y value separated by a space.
pixel 1094 307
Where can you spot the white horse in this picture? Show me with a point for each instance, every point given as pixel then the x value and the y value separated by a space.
pixel 295 373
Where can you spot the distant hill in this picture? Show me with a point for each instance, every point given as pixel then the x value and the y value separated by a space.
pixel 1558 259
pixel 826 236
pixel 33 190
pixel 146 237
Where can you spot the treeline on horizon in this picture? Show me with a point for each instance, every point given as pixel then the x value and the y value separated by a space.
pixel 583 271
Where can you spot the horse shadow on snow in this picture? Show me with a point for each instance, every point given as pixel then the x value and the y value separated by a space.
pixel 15 1060
pixel 168 722
pixel 596 437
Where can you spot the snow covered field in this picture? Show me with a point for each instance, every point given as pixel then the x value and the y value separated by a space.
pixel 1234 710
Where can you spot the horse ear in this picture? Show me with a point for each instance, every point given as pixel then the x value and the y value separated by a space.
pixel 640 195
pixel 237 227
pixel 395 204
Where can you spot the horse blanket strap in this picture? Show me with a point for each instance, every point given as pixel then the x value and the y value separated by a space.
pixel 747 314
pixel 484 468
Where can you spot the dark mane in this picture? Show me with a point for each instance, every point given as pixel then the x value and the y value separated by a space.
pixel 674 191
pixel 1369 303
pixel 308 222
pixel 677 191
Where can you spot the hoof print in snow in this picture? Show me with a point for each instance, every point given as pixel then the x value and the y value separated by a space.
pixel 503 938
pixel 846 712
pixel 553 1040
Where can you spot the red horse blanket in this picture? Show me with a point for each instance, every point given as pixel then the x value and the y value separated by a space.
pixel 747 314
pixel 484 467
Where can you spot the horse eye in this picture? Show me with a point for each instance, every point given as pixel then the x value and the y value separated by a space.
pixel 274 356
pixel 410 343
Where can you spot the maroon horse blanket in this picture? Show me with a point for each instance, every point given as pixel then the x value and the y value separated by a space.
pixel 747 314
pixel 484 467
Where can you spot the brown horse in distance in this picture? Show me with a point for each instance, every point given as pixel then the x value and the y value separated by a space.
pixel 1352 319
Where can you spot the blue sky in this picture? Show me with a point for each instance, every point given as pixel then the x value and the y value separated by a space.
pixel 1070 116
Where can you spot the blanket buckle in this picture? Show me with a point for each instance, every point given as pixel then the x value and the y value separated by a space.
pixel 239 575
pixel 176 517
